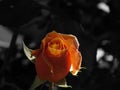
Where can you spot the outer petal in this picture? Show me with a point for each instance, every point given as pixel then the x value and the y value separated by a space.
pixel 71 40
pixel 76 57
pixel 53 69
pixel 42 68
pixel 76 60
pixel 61 66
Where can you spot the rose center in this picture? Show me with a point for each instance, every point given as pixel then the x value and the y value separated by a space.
pixel 56 47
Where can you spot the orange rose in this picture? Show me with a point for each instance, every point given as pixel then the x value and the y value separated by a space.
pixel 58 54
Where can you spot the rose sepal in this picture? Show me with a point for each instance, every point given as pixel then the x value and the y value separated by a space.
pixel 28 53
pixel 63 84
pixel 37 82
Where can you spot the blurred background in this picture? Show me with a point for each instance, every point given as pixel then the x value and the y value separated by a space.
pixel 96 23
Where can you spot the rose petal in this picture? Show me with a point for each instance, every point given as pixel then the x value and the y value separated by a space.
pixel 42 68
pixel 35 52
pixel 61 65
pixel 71 40
pixel 76 57
pixel 50 36
pixel 76 60
pixel 56 47
pixel 53 69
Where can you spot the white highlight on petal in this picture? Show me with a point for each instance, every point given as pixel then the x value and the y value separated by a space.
pixel 71 68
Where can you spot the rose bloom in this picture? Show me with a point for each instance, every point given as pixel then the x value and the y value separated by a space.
pixel 58 55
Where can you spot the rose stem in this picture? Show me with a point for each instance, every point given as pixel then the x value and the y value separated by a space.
pixel 51 86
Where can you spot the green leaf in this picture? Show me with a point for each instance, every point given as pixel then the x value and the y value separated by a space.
pixel 36 83
pixel 63 84
pixel 28 52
